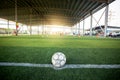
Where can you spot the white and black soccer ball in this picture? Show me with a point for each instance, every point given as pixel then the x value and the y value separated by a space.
pixel 58 59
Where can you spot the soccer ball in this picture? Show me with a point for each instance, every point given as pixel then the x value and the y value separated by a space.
pixel 58 59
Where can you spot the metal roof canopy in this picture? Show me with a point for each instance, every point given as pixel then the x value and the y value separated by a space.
pixel 50 12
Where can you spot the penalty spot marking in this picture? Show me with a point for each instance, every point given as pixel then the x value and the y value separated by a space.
pixel 105 66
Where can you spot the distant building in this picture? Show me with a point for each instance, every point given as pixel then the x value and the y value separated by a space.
pixel 100 30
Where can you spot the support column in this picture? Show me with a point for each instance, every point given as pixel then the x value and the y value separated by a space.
pixel 106 20
pixel 16 32
pixel 76 29
pixel 79 29
pixel 83 26
pixel 8 27
pixel 38 30
pixel 22 29
pixel 30 29
pixel 30 25
pixel 43 28
pixel 72 29
pixel 91 24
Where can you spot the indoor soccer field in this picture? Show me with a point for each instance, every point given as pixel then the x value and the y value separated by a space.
pixel 78 50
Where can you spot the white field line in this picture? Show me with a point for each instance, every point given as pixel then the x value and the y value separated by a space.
pixel 105 66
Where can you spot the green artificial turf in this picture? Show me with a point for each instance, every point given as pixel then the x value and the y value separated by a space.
pixel 62 42
pixel 28 73
pixel 78 50
pixel 74 55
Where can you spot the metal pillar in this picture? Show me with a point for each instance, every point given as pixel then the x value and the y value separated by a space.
pixel 76 29
pixel 43 28
pixel 106 20
pixel 22 29
pixel 8 27
pixel 30 30
pixel 83 26
pixel 91 24
pixel 38 30
pixel 72 29
pixel 16 17
pixel 30 25
pixel 79 29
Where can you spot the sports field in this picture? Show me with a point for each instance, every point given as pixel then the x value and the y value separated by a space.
pixel 78 50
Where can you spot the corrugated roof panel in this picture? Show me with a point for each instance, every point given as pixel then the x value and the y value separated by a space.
pixel 61 12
